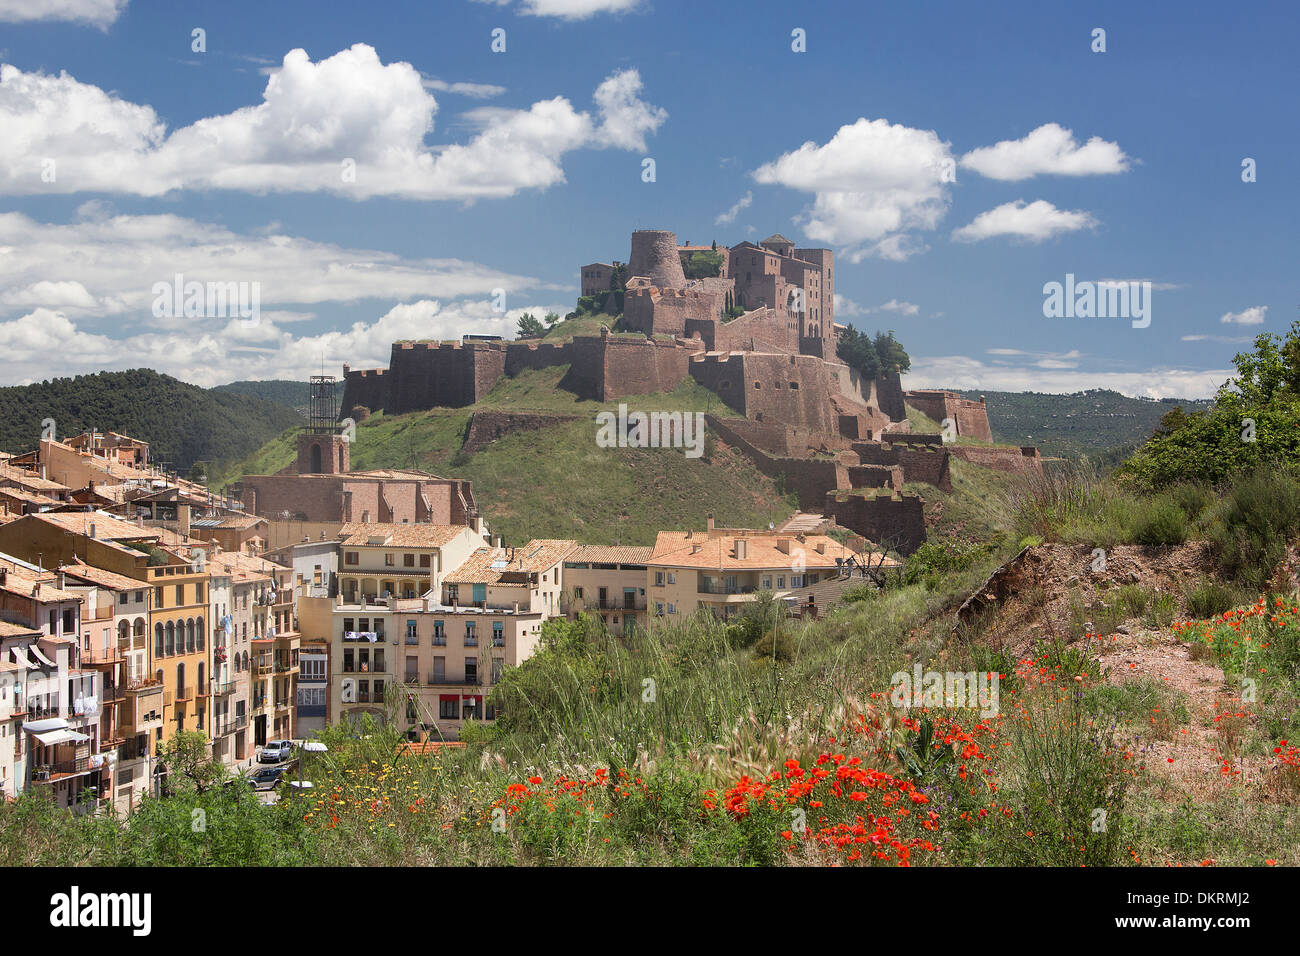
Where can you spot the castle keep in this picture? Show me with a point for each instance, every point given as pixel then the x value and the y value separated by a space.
pixel 761 335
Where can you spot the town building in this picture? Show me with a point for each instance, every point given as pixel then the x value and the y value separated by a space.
pixel 609 582
pixel 720 570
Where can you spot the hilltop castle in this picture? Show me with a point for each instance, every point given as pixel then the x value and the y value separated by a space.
pixel 761 334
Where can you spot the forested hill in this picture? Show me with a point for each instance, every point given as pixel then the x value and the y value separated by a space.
pixel 281 391
pixel 1082 423
pixel 182 423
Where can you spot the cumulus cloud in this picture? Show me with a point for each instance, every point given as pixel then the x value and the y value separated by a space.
pixel 348 125
pixel 964 372
pixel 728 217
pixel 103 266
pixel 46 343
pixel 875 185
pixel 1049 150
pixel 1032 222
pixel 1255 315
pixel 98 13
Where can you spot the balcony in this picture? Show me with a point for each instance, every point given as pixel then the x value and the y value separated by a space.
pixel 471 680
pixel 48 772
pixel 223 689
pixel 714 587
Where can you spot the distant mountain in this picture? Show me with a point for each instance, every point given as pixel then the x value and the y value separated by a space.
pixel 281 391
pixel 1088 422
pixel 181 422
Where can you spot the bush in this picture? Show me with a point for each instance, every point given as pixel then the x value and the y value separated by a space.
pixel 1161 523
pixel 775 645
pixel 1254 524
pixel 1209 599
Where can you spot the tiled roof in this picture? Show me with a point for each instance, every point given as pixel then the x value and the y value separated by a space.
pixel 20 580
pixel 105 579
pixel 107 527
pixel 240 522
pixel 16 630
pixel 610 554
pixel 25 478
pixel 717 550
pixel 487 565
pixel 358 533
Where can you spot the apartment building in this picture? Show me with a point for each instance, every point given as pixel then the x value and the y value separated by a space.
pixel 720 570
pixel 609 582
pixel 440 657
pixel 399 560
pixel 115 642
pixel 275 661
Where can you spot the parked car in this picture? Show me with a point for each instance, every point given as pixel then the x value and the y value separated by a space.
pixel 266 778
pixel 275 751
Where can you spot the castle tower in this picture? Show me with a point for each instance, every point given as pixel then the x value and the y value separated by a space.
pixel 322 449
pixel 654 254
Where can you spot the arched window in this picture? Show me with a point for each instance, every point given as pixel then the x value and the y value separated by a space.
pixel 123 632
pixel 139 627
pixel 180 682
pixel 198 633
pixel 315 459
pixel 157 640
pixel 189 635
pixel 171 638
pixel 200 684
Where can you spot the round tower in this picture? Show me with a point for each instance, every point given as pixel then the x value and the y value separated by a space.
pixel 654 254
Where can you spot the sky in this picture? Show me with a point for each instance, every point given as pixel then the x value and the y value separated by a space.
pixel 395 170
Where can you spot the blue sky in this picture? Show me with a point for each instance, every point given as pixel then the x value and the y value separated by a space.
pixel 126 157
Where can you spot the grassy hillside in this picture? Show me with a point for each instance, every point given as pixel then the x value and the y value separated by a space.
pixel 281 391
pixel 182 423
pixel 1072 425
pixel 556 482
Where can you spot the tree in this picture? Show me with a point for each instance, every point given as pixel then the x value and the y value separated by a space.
pixel 199 473
pixel 551 319
pixel 704 265
pixel 891 352
pixel 187 758
pixel 857 352
pixel 530 327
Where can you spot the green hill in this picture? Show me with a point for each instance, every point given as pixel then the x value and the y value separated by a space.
pixel 556 482
pixel 1083 423
pixel 182 423
pixel 294 395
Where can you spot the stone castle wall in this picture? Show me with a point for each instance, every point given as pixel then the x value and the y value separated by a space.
pixel 883 517
pixel 1015 460
pixel 654 254
pixel 486 427
pixel 970 418
pixel 925 463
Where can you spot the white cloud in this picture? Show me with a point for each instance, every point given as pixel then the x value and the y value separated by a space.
pixel 1218 339
pixel 847 308
pixel 315 121
pixel 1048 150
pixel 1255 315
pixel 569 9
pixel 476 91
pixel 963 372
pixel 874 184
pixel 98 13
pixel 103 267
pixel 728 217
pixel 1033 222
pixel 47 343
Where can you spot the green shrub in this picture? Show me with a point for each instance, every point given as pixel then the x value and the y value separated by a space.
pixel 1209 599
pixel 1163 522
pixel 1254 524
pixel 1161 611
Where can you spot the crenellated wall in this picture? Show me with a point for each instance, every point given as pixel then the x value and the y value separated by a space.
pixel 882 517
pixel 970 418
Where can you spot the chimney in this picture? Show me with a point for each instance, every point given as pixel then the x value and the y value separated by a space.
pixel 783 545
pixel 742 549
pixel 91 531
pixel 708 522
pixel 695 548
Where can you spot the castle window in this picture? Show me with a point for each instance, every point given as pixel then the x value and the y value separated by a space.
pixel 757 385
pixel 315 459
pixel 794 386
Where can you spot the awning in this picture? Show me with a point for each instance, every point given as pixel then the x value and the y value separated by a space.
pixel 52 737
pixel 40 726
pixel 449 697
pixel 19 655
pixel 41 657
